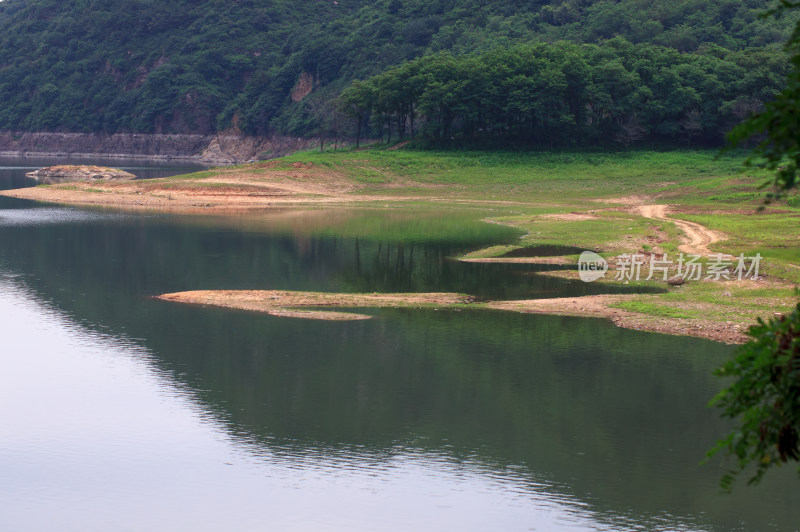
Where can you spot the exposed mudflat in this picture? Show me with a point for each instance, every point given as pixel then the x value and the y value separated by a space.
pixel 315 305
pixel 296 304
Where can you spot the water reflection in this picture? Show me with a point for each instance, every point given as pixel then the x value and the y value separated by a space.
pixel 155 255
pixel 52 215
pixel 210 419
pixel 95 432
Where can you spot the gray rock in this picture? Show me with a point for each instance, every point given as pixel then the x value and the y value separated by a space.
pixel 67 173
pixel 676 280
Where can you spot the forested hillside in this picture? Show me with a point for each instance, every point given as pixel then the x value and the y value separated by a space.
pixel 266 66
pixel 567 94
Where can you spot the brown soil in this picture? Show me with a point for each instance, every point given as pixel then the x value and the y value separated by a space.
pixel 633 199
pixel 286 303
pixel 254 187
pixel 570 217
pixel 237 189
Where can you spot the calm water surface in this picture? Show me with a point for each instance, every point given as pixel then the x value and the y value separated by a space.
pixel 120 412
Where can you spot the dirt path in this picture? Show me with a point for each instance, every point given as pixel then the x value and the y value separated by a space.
pixel 698 237
pixel 398 146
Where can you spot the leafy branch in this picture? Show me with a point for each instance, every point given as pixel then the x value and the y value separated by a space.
pixel 765 397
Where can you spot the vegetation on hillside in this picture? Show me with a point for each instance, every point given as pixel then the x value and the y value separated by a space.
pixel 180 66
pixel 571 94
pixel 778 125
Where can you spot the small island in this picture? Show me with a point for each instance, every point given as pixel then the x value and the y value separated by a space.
pixel 66 173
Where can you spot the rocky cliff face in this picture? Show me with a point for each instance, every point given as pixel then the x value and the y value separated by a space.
pixel 213 149
pixel 231 149
pixel 303 87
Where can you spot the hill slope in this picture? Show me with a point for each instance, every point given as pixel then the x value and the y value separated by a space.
pixel 181 66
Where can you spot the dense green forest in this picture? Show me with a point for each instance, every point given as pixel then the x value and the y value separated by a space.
pixel 273 66
pixel 567 94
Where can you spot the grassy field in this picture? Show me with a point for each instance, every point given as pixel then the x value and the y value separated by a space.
pixel 703 186
pixel 534 176
pixel 583 199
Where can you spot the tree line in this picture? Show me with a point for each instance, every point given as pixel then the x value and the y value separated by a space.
pixel 568 94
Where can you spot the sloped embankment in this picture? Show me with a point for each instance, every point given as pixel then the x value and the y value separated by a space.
pixel 216 149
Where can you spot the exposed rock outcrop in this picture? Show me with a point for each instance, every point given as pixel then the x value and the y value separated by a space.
pixel 65 173
pixel 232 149
pixel 303 87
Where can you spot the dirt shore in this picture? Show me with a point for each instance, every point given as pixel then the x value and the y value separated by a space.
pixel 227 191
pixel 296 304
pixel 310 305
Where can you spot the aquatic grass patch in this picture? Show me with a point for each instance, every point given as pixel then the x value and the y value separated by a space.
pixel 655 309
pixel 73 187
pixel 542 251
pixel 740 302
pixel 205 174
pixel 490 252
pixel 59 187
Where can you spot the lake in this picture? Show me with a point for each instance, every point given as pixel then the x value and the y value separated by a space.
pixel 121 412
